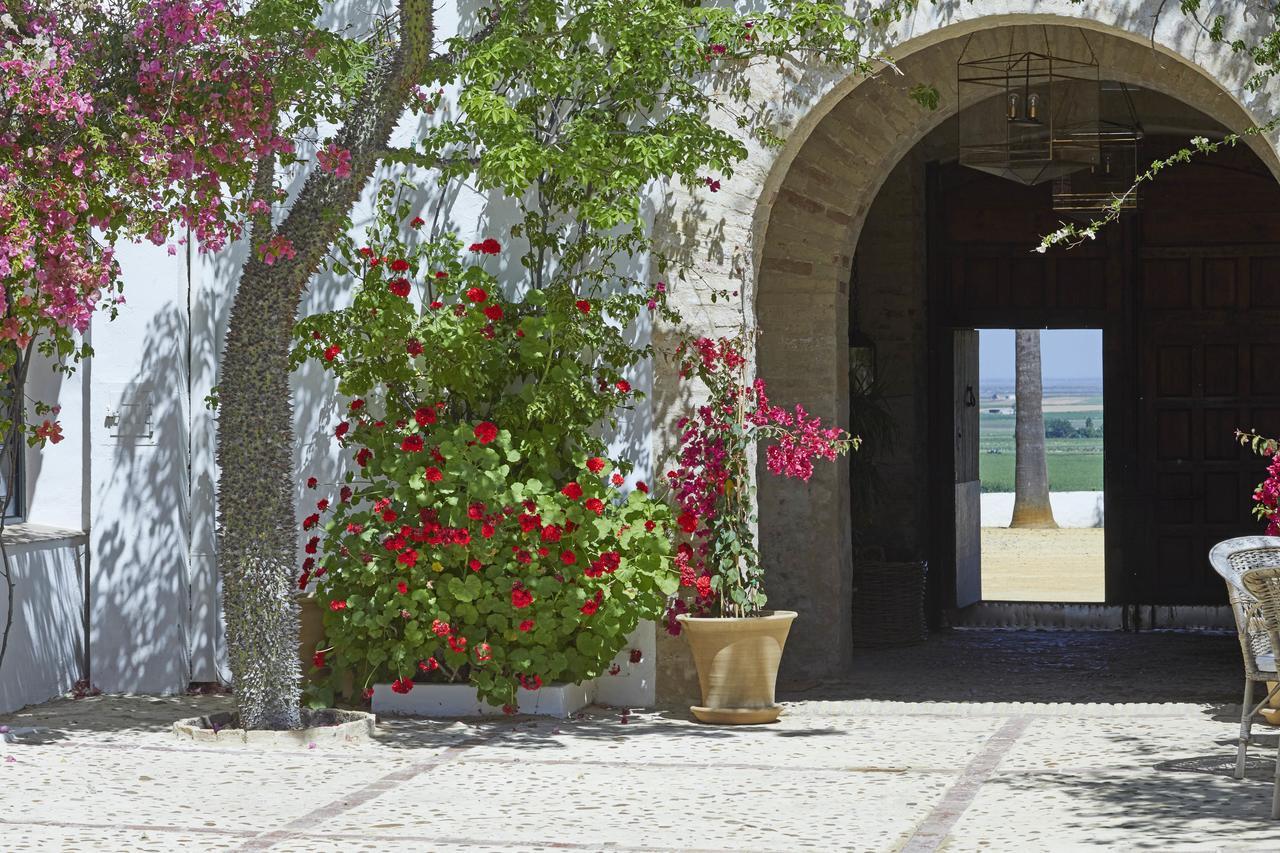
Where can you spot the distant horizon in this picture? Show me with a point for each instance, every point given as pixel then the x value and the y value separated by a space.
pixel 1066 355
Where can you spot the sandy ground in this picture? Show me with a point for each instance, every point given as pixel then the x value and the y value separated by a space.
pixel 1042 565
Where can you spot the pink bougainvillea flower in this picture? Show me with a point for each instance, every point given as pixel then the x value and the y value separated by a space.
pixel 334 160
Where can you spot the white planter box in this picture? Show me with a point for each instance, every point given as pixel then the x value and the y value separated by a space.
pixel 460 700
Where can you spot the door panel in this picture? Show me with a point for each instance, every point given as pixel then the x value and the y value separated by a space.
pixel 968 487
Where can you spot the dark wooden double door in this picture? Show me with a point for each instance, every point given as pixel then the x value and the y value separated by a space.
pixel 1187 293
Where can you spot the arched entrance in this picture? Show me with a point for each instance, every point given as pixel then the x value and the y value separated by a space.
pixel 811 202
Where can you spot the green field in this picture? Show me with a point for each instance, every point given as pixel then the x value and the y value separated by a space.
pixel 1075 464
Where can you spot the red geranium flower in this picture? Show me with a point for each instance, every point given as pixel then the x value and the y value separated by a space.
pixel 526 626
pixel 400 265
pixel 434 474
pixel 331 352
pixel 590 607
pixel 363 455
pixel 583 305
pixel 572 491
pixel 441 629
pixel 458 644
pixel 595 464
pixel 688 522
pixel 311 521
pixel 408 556
pixel 617 479
pixel 429 665
pixel 338 604
pixel 425 416
pixel 413 347
pixel 623 385
pixel 595 505
pixel 493 312
pixel 642 486
pixel 485 432
pixel 568 558
pixel 477 294
pixel 312 482
pixel 341 429
pixel 402 587
pixel 318 660
pixel 475 511
pixel 399 286
pixel 636 656
pixel 520 597
pixel 417 222
pixel 402 685
pixel 412 444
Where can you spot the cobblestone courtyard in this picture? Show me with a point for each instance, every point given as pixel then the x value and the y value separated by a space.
pixel 978 740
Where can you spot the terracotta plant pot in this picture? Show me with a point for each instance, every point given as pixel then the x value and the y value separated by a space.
pixel 737 662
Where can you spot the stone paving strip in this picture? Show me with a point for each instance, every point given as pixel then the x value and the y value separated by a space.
pixel 106 774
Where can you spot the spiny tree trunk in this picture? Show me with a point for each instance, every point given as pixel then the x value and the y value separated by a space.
pixel 1031 506
pixel 257 533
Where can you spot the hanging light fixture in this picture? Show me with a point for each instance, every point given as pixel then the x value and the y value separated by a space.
pixel 1119 135
pixel 1024 107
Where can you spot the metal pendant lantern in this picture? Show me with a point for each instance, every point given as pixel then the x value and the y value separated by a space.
pixel 1029 104
pixel 1112 181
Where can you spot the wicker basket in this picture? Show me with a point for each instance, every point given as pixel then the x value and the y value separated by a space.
pixel 888 603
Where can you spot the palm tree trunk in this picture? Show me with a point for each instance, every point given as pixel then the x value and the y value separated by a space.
pixel 1031 506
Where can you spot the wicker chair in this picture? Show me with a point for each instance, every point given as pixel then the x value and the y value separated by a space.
pixel 1250 565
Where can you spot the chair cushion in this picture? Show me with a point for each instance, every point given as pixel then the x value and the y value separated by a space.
pixel 1266 663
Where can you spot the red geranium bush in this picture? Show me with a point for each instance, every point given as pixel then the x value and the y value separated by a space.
pixel 481 533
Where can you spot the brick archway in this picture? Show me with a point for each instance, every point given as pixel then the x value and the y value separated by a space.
pixel 785 228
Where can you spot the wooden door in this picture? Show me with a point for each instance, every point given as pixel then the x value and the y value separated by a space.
pixel 967 485
pixel 1209 343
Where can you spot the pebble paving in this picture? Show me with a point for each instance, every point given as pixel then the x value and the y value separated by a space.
pixel 852 765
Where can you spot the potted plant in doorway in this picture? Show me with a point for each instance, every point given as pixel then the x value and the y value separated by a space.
pixel 736 643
